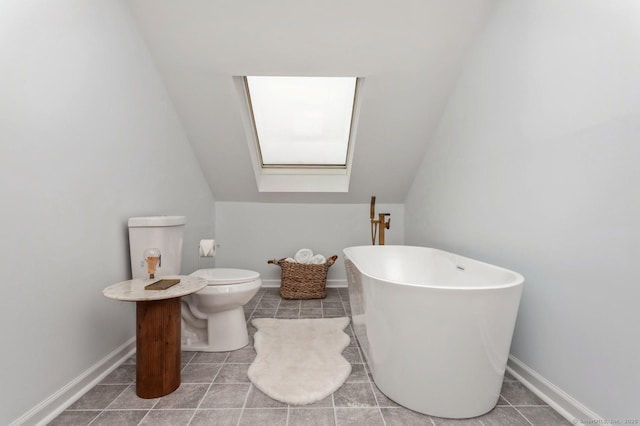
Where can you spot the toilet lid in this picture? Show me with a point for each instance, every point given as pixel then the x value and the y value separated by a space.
pixel 226 276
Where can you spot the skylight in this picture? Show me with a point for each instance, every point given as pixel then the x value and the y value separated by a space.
pixel 302 121
pixel 301 131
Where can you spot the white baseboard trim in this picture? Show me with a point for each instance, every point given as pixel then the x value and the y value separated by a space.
pixel 55 404
pixel 330 283
pixel 559 400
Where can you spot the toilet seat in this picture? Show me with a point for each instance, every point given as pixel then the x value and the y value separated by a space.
pixel 226 276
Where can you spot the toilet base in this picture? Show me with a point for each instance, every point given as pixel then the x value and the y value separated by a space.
pixel 225 331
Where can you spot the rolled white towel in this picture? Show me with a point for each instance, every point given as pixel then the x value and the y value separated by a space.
pixel 303 256
pixel 318 259
pixel 290 259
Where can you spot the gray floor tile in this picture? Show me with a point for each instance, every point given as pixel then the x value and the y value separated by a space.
pixel 358 374
pixel 508 377
pixel 263 313
pixel 383 400
pixel 400 416
pixel 311 417
pixel 233 373
pixel 311 303
pixel 258 399
pixel 268 304
pixel 98 397
pixel 543 416
pixel 437 421
pixel 323 403
pixel 354 395
pixel 243 356
pixel 226 396
pixel 517 394
pixel 209 357
pixel 130 360
pixel 74 418
pixel 120 418
pixel 359 417
pixel 352 354
pixel 332 304
pixel 502 401
pixel 188 395
pixel 186 356
pixel 128 400
pixel 310 313
pixel 287 313
pixel 333 312
pixel 503 416
pixel 289 304
pixel 123 375
pixel 221 417
pixel 263 416
pixel 199 373
pixel 167 418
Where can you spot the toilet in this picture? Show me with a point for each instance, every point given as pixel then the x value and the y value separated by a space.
pixel 213 318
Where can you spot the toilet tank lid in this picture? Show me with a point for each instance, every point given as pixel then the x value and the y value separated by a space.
pixel 221 276
pixel 149 221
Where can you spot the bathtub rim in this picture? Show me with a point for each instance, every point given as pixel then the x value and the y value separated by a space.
pixel 517 281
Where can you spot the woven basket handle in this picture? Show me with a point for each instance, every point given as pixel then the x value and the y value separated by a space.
pixel 330 261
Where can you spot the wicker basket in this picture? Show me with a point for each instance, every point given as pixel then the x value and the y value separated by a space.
pixel 303 281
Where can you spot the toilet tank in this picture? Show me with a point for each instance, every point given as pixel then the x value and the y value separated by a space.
pixel 162 232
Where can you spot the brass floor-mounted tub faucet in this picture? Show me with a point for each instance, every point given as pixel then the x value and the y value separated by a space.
pixel 380 224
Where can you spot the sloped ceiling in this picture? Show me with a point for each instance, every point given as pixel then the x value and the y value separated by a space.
pixel 408 51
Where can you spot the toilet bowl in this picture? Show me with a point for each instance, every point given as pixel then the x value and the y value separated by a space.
pixel 213 318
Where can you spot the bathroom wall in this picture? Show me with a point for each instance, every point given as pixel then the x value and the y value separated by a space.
pixel 88 138
pixel 249 234
pixel 535 167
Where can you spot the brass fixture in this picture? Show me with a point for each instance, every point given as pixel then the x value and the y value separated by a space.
pixel 154 260
pixel 380 224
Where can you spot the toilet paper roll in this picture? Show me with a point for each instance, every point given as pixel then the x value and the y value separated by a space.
pixel 207 248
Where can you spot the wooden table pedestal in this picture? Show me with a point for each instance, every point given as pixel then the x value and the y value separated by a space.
pixel 157 347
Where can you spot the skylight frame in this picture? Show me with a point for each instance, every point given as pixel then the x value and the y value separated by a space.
pixel 293 168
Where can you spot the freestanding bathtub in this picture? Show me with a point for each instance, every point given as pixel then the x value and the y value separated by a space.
pixel 435 327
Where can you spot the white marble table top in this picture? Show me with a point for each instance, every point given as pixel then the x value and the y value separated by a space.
pixel 133 290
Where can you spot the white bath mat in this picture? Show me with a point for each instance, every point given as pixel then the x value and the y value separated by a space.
pixel 299 361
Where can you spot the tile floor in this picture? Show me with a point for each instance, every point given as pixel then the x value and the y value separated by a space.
pixel 215 389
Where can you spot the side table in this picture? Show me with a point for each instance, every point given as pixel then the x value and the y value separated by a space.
pixel 158 329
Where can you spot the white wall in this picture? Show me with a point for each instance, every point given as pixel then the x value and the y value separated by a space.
pixel 88 138
pixel 535 167
pixel 250 234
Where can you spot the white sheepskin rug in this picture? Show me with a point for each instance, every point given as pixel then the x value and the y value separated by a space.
pixel 299 361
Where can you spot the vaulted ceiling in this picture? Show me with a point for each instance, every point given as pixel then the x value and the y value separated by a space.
pixel 408 51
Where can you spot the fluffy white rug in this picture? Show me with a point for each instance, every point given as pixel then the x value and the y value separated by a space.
pixel 299 361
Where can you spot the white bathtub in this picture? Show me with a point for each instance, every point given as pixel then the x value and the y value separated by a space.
pixel 435 327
